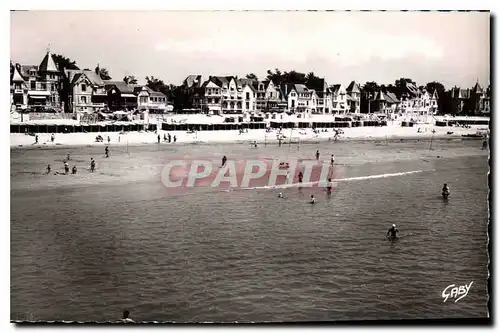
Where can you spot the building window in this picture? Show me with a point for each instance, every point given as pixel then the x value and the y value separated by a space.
pixel 84 87
pixel 247 105
pixel 248 95
pixel 33 85
pixel 44 86
pixel 83 99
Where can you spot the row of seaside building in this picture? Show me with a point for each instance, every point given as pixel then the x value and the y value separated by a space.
pixel 38 88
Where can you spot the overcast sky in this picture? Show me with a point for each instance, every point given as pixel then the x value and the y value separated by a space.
pixel 453 48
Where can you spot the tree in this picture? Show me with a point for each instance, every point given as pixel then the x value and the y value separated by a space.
pixel 63 62
pixel 102 72
pixel 400 86
pixel 130 79
pixel 155 84
pixel 252 76
pixel 368 92
pixel 275 76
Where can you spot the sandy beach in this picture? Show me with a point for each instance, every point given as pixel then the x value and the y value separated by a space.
pixel 393 131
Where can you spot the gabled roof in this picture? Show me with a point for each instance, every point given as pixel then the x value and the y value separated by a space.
pixel 193 81
pixel 477 88
pixel 219 80
pixel 48 64
pixel 210 84
pixel 249 86
pixel 243 82
pixel 335 88
pixel 26 68
pixel 353 87
pixel 150 91
pixel 120 85
pixel 17 77
pixel 301 88
pixel 318 85
pixel 94 78
pixel 392 97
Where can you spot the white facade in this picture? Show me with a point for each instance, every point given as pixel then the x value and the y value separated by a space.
pixel 249 99
pixel 338 97
pixel 302 100
pixel 151 100
pixel 424 104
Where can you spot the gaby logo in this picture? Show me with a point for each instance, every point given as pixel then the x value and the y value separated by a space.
pixel 457 292
pixel 261 173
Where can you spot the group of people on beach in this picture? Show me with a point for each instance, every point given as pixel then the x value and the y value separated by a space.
pixel 167 138
pixel 74 169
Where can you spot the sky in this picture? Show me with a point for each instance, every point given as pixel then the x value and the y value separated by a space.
pixel 452 48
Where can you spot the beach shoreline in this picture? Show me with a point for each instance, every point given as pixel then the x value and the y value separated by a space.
pixel 259 136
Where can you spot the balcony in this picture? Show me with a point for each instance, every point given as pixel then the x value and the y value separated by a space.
pixel 18 91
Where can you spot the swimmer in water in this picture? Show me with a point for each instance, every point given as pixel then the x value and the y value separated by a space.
pixel 332 160
pixel 73 171
pixel 224 160
pixel 329 186
pixel 48 168
pixel 313 200
pixel 393 231
pixel 317 155
pixel 280 195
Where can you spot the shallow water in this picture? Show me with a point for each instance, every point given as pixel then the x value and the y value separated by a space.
pixel 85 247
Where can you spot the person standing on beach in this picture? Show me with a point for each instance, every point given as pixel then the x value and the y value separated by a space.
pixel 175 139
pixel 332 160
pixel 317 155
pixel 164 137
pixel 36 139
pixel 109 139
pixel 92 165
pixel 224 160
pixel 106 151
pixel 169 138
pixel 52 137
pixel 300 176
pixel 158 138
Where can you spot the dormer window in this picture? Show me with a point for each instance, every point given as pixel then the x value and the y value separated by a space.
pixel 84 87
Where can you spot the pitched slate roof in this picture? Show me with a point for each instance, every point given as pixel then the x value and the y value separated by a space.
pixel 300 88
pixel 149 90
pixel 17 77
pixel 94 78
pixel 392 97
pixel 193 80
pixel 334 89
pixel 120 85
pixel 318 85
pixel 26 68
pixel 48 64
pixel 477 88
pixel 353 88
pixel 243 82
